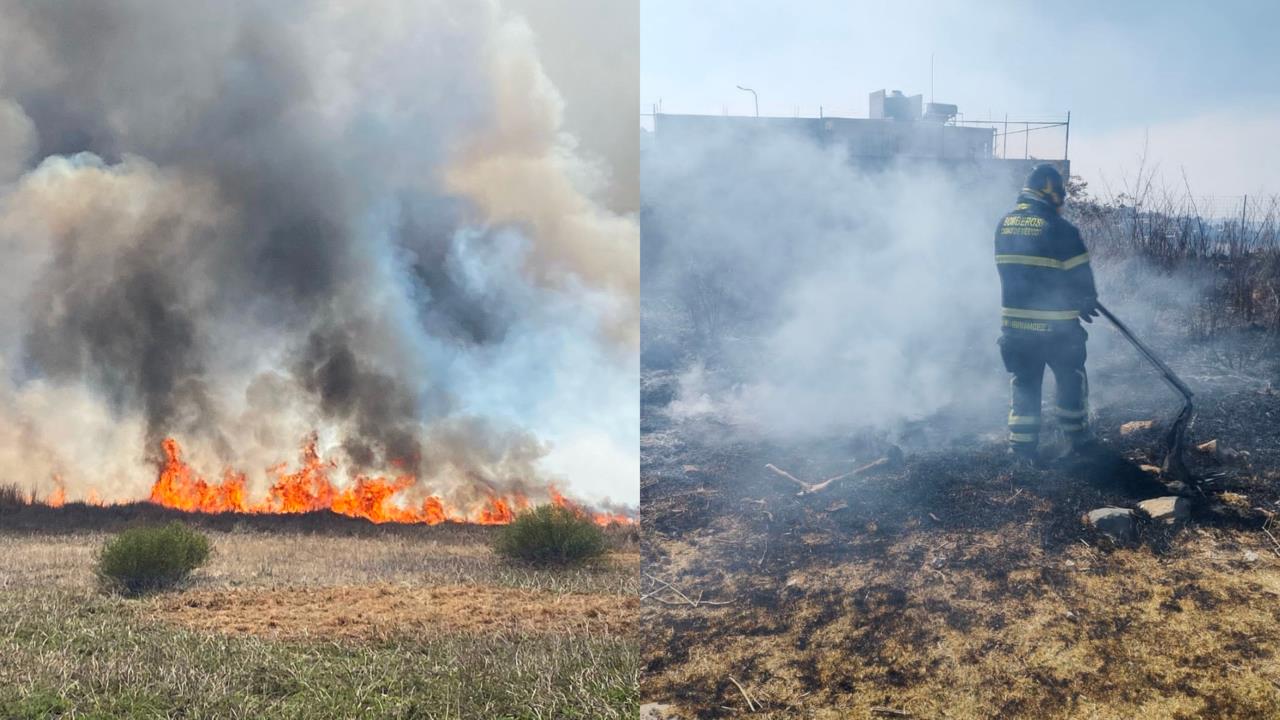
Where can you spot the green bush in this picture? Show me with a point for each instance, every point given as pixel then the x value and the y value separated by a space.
pixel 148 558
pixel 551 535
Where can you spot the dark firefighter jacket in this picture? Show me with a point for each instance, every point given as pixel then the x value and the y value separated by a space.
pixel 1045 278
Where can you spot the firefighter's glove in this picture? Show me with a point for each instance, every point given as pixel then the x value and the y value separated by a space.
pixel 1089 311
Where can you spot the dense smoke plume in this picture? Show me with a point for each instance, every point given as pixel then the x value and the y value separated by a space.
pixel 794 294
pixel 244 224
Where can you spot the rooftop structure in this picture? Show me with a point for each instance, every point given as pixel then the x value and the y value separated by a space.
pixel 898 128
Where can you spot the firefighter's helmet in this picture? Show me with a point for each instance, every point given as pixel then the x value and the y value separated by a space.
pixel 1045 182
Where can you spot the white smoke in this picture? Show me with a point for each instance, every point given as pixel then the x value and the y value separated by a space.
pixel 860 292
pixel 799 294
pixel 244 223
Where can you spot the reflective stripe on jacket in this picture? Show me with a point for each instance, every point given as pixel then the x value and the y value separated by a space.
pixel 1045 278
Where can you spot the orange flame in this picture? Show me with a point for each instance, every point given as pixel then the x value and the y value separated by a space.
pixel 377 499
pixel 179 488
pixel 498 512
pixel 308 489
pixel 603 519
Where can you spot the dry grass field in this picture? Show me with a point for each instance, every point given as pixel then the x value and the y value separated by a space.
pixel 312 617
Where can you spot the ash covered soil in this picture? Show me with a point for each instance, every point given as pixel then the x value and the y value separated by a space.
pixel 957 585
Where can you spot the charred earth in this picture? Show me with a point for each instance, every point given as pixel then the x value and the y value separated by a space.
pixel 956 583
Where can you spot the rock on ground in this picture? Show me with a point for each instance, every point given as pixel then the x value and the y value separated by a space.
pixel 1136 426
pixel 659 711
pixel 1169 509
pixel 1115 523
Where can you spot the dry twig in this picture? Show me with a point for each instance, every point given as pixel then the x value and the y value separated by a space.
pixel 1274 542
pixel 684 599
pixel 750 705
pixel 892 458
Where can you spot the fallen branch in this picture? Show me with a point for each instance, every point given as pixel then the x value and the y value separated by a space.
pixel 889 712
pixel 892 458
pixel 750 705
pixel 806 486
pixel 1274 542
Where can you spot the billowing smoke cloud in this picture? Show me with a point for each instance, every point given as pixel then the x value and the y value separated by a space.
pixel 834 299
pixel 605 92
pixel 517 172
pixel 245 223
pixel 792 293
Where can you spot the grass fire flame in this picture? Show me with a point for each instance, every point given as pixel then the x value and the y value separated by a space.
pixel 308 488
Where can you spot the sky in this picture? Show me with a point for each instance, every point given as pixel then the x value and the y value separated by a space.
pixel 1193 83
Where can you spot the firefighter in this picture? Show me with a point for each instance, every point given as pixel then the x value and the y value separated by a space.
pixel 1046 288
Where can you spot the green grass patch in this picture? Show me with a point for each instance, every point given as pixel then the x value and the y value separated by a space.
pixel 69 654
pixel 35 704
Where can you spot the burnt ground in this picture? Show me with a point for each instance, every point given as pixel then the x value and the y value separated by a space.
pixel 78 517
pixel 958 585
pixel 75 518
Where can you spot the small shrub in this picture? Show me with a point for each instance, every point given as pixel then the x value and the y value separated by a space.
pixel 551 535
pixel 154 557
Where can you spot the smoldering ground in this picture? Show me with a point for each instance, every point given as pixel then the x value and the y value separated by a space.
pixel 240 224
pixel 792 294
pixel 804 314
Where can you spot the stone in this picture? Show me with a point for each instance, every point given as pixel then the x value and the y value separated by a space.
pixel 1250 556
pixel 1208 448
pixel 1115 523
pixel 1169 509
pixel 1228 455
pixel 659 711
pixel 1136 426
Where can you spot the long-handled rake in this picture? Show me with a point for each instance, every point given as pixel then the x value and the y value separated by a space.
pixel 1174 466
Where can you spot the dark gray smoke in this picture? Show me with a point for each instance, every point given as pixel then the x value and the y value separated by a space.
pixel 241 223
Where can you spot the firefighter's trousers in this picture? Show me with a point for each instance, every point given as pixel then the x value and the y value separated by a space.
pixel 1025 354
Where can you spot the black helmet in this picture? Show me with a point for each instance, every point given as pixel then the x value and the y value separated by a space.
pixel 1045 183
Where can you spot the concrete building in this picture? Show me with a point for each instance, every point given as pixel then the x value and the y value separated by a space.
pixel 898 129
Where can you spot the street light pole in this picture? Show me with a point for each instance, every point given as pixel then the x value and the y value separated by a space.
pixel 754 97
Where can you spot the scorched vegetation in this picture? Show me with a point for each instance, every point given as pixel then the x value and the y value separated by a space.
pixel 951 583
